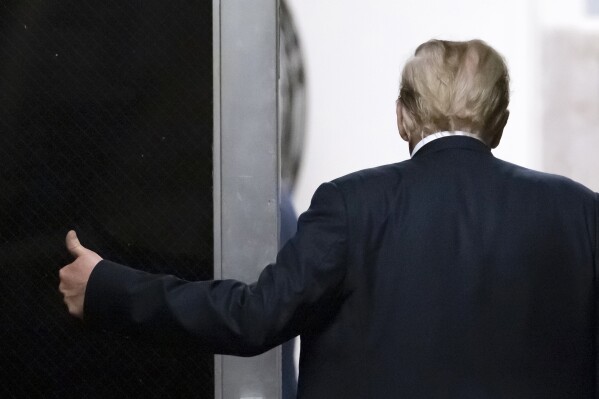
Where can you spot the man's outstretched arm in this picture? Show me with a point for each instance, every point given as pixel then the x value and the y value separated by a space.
pixel 224 316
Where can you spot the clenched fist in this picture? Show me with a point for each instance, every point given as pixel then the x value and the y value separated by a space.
pixel 74 276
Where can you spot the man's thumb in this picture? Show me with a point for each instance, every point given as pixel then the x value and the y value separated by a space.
pixel 73 244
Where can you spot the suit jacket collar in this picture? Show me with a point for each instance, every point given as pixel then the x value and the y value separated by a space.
pixel 453 142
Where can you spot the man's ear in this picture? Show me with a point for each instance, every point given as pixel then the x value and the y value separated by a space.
pixel 496 140
pixel 402 132
pixel 502 124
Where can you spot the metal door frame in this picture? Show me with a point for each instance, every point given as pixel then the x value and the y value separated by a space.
pixel 246 170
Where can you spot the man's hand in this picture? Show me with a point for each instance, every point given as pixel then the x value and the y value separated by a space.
pixel 74 276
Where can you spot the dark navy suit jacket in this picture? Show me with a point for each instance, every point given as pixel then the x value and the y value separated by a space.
pixel 451 275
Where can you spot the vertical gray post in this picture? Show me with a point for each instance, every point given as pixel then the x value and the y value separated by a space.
pixel 246 170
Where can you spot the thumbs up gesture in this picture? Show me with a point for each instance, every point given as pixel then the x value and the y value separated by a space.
pixel 74 276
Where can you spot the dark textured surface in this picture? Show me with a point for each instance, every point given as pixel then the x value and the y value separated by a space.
pixel 105 127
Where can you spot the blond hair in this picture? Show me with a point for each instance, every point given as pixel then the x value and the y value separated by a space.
pixel 449 86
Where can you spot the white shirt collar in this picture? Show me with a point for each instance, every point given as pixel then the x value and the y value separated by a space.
pixel 438 135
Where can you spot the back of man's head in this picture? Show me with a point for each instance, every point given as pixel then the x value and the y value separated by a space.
pixel 455 86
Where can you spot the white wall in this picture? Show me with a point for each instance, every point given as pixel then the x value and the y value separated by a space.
pixel 563 13
pixel 354 51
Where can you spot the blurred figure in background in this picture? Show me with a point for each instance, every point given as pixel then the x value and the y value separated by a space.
pixel 292 123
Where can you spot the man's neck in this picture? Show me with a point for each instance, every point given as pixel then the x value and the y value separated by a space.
pixel 414 148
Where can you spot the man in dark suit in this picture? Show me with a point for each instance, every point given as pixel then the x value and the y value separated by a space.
pixel 450 275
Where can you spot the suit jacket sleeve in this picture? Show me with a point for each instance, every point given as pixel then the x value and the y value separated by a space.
pixel 228 316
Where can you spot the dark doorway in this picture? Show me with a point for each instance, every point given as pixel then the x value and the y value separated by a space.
pixel 106 128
